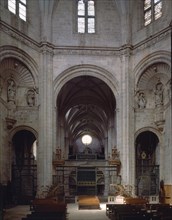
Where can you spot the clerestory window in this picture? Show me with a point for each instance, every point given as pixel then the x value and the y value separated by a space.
pixel 86 16
pixel 18 7
pixel 152 10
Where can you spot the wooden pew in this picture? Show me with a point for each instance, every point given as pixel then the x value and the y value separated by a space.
pixel 127 211
pixel 48 205
pixel 135 201
pixel 47 209
pixel 140 211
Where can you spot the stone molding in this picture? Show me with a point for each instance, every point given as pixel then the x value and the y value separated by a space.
pixel 99 51
pixel 18 35
pixel 153 39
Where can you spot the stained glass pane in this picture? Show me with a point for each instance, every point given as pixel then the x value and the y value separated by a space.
pixel 147 17
pixel 81 8
pixel 91 25
pixel 147 4
pixel 12 6
pixel 91 11
pixel 81 25
pixel 158 10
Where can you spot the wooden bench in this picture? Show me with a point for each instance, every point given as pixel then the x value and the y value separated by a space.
pixel 139 212
pixel 48 205
pixel 135 201
pixel 45 216
pixel 47 209
pixel 131 212
pixel 88 202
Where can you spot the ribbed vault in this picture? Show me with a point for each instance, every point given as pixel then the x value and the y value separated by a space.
pixel 86 105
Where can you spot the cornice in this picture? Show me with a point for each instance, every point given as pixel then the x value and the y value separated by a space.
pixel 49 48
pixel 18 35
pixel 153 39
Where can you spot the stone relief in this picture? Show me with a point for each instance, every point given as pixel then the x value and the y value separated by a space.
pixel 30 98
pixel 158 92
pixel 11 91
pixel 141 100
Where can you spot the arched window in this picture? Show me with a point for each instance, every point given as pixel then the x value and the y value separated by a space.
pixel 86 16
pixel 152 10
pixel 18 7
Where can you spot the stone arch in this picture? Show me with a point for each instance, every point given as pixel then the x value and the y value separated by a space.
pixel 151 71
pixel 24 160
pixel 86 70
pixel 23 57
pixel 153 130
pixel 154 58
pixel 147 162
pixel 23 127
pixel 99 111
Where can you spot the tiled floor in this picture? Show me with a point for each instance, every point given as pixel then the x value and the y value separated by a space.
pixel 16 213
pixel 73 213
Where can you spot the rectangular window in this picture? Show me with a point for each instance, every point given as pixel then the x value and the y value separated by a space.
pixel 152 10
pixel 86 16
pixel 12 6
pixel 18 7
pixel 158 10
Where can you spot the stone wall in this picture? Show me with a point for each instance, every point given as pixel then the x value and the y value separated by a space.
pixel 120 53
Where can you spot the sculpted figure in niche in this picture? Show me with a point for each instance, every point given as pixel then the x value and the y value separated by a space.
pixel 141 100
pixel 159 88
pixel 31 98
pixel 11 91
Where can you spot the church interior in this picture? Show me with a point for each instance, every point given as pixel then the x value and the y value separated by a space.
pixel 86 108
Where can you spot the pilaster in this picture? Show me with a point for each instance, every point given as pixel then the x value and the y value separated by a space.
pixel 46 110
pixel 125 123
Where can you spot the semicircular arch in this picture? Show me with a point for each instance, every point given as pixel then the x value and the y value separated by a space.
pixel 23 57
pixel 151 129
pixel 154 58
pixel 86 70
pixel 21 128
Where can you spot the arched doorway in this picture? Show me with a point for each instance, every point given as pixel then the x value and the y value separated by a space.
pixel 147 164
pixel 24 169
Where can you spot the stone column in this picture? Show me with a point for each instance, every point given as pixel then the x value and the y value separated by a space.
pixel 46 110
pixel 106 176
pixel 125 124
pixel 111 135
pixel 62 136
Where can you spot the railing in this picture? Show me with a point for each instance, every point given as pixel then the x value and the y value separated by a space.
pixel 86 157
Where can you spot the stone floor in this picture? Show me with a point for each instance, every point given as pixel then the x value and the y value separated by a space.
pixel 16 213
